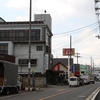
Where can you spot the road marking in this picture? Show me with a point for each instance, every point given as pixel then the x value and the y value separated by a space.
pixel 61 89
pixel 58 94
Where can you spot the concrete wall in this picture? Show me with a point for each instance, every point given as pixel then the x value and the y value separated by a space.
pixel 21 52
pixel 39 81
pixel 44 17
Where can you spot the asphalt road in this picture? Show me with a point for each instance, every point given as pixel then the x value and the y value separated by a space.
pixel 55 93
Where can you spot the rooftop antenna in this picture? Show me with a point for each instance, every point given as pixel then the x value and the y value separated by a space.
pixel 44 15
pixel 41 14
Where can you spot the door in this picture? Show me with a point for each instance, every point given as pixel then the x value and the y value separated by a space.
pixel 1 75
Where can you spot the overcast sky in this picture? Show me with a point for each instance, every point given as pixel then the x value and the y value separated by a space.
pixel 75 18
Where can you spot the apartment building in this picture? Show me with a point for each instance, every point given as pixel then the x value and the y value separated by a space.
pixel 14 40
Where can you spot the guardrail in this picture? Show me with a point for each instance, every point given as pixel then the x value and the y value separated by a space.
pixel 93 95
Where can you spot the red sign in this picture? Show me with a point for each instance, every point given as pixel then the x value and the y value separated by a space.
pixel 76 73
pixel 68 52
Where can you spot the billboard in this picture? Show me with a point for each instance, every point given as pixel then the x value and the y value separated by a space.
pixel 68 52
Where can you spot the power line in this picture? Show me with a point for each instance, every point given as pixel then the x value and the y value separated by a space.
pixel 56 52
pixel 81 38
pixel 79 29
pixel 90 55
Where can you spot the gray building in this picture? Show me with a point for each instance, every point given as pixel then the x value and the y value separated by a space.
pixel 14 40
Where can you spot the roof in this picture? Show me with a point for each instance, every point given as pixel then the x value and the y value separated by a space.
pixel 2 20
pixel 59 63
pixel 63 61
pixel 25 22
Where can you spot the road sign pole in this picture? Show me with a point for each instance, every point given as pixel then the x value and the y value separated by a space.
pixel 68 68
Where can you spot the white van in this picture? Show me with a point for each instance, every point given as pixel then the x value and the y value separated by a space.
pixel 74 81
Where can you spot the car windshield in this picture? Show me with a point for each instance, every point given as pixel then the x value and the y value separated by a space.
pixel 72 79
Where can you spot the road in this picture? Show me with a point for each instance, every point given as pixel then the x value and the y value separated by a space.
pixel 55 93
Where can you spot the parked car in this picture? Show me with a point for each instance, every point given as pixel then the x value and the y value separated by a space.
pixel 86 79
pixel 92 79
pixel 74 81
pixel 81 81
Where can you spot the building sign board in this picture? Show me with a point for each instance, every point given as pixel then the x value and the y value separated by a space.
pixel 68 51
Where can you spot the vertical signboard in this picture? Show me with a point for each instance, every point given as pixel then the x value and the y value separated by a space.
pixel 73 68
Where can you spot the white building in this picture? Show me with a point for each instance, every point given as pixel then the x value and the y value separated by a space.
pixel 14 40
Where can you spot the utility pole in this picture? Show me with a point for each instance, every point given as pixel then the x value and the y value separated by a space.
pixel 70 48
pixel 69 61
pixel 77 56
pixel 29 62
pixel 97 11
pixel 91 66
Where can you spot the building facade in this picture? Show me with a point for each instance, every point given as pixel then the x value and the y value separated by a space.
pixel 14 40
pixel 85 70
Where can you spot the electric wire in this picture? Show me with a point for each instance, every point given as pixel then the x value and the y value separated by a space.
pixel 77 30
pixel 56 52
pixel 81 38
pixel 77 40
pixel 67 40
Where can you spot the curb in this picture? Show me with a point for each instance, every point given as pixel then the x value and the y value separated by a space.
pixel 36 89
pixel 93 95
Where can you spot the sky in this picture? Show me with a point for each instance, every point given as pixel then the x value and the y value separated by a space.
pixel 70 18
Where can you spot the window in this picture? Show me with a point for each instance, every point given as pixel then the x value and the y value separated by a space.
pixel 47 49
pixel 4 48
pixel 34 61
pixel 39 48
pixel 19 35
pixel 72 79
pixel 25 62
pixel 82 72
pixel 35 34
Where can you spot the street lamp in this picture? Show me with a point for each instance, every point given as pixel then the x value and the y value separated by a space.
pixel 29 61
